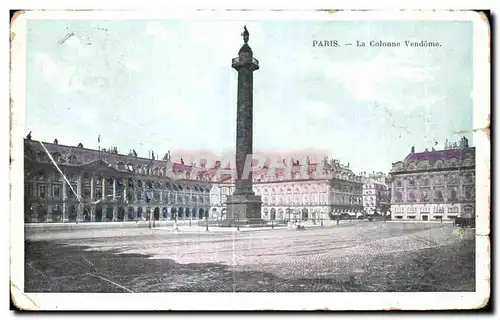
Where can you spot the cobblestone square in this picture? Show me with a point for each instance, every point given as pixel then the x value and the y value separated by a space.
pixel 357 256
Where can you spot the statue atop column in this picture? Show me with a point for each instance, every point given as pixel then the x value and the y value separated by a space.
pixel 245 34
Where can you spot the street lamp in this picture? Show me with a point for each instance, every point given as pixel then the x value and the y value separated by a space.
pixel 148 200
pixel 206 219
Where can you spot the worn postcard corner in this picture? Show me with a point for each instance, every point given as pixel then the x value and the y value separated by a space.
pixel 261 160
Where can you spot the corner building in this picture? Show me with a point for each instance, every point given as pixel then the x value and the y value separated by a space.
pixel 435 185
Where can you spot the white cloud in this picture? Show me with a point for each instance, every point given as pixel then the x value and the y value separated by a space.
pixel 317 110
pixel 76 42
pixel 87 116
pixel 397 81
pixel 67 78
pixel 132 65
pixel 64 78
pixel 291 132
pixel 157 30
pixel 178 113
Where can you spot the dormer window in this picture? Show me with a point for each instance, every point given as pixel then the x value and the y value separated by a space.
pixel 40 156
pixel 56 156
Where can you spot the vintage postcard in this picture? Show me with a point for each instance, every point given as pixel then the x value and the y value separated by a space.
pixel 250 160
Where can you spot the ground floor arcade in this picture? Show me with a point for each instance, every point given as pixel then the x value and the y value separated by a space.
pixel 74 212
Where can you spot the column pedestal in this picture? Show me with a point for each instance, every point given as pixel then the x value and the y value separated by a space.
pixel 243 210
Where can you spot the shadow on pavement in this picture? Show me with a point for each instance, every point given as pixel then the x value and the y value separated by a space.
pixel 54 267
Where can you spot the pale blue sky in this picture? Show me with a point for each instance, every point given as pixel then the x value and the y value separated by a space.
pixel 169 85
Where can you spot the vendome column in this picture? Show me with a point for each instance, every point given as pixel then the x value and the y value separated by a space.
pixel 243 206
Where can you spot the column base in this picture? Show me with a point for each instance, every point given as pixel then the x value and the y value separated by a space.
pixel 243 210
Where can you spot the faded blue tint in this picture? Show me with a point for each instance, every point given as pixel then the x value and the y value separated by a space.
pixel 166 85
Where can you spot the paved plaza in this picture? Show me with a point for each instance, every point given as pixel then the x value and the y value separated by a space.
pixel 356 256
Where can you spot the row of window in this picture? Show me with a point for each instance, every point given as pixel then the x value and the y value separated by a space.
pixel 424 195
pixel 453 179
pixel 375 186
pixel 434 217
pixel 146 196
pixel 453 209
pixel 121 182
pixel 303 190
pixel 339 199
pixel 42 192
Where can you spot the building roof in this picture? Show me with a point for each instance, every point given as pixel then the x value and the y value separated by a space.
pixel 440 154
pixel 128 163
pixel 436 160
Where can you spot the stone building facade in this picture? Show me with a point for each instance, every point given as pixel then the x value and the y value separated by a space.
pixel 103 186
pixel 310 196
pixel 107 186
pixel 435 185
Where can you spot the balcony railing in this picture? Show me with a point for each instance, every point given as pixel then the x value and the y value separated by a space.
pixel 237 60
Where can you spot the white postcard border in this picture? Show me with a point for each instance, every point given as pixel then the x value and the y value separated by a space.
pixel 255 301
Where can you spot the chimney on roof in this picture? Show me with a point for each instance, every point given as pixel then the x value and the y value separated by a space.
pixel 29 136
pixel 55 141
pixel 80 145
pixel 464 143
pixel 412 149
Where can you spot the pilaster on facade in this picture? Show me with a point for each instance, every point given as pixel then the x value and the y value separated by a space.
pixel 92 187
pixel 135 191
pixel 114 189
pixel 103 187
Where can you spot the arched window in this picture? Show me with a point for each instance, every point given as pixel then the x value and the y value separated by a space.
pixel 40 156
pixel 56 156
pixel 438 164
pixel 399 196
pixel 438 195
pixel 411 195
pixel 273 214
pixel 453 195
